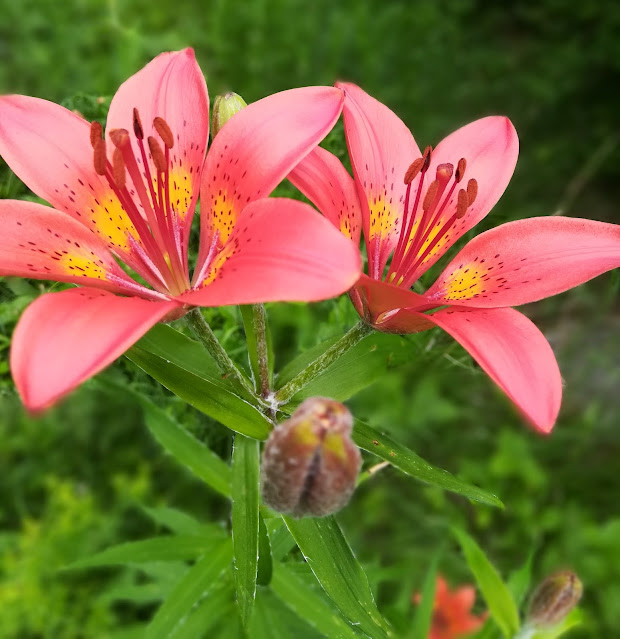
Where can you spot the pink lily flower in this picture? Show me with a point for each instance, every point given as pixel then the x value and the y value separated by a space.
pixel 130 196
pixel 414 206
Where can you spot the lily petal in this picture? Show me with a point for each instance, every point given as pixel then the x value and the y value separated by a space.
pixel 48 147
pixel 255 151
pixel 282 250
pixel 527 260
pixel 322 178
pixel 491 148
pixel 62 339
pixel 381 302
pixel 381 148
pixel 171 87
pixel 515 355
pixel 42 243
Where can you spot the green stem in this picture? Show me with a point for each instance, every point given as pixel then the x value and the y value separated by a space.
pixel 255 325
pixel 207 338
pixel 313 370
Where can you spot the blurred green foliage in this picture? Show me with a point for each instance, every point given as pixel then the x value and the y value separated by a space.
pixel 73 481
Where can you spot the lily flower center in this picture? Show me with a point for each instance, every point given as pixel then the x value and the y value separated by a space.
pixel 158 247
pixel 431 217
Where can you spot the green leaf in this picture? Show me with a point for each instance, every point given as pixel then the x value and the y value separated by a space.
pixel 196 583
pixel 265 560
pixel 245 483
pixel 175 520
pixel 424 612
pixel 372 440
pixel 184 447
pixel 353 371
pixel 183 367
pixel 332 561
pixel 495 592
pixel 309 605
pixel 519 581
pixel 167 548
pixel 218 604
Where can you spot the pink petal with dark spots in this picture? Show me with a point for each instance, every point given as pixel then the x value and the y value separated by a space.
pixel 63 339
pixel 528 260
pixel 281 250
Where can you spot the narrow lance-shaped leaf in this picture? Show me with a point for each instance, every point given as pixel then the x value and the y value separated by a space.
pixel 245 483
pixel 424 612
pixel 495 592
pixel 190 452
pixel 195 585
pixel 372 440
pixel 309 605
pixel 332 561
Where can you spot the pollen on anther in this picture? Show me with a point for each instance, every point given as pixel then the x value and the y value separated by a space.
pixel 426 158
pixel 96 131
pixel 164 132
pixel 429 198
pixel 413 170
pixel 157 154
pixel 472 191
pixel 462 204
pixel 99 156
pixel 137 125
pixel 118 167
pixel 460 170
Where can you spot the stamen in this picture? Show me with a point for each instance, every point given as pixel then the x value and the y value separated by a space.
pixel 96 131
pixel 162 128
pixel 137 125
pixel 99 156
pixel 462 204
pixel 118 168
pixel 413 170
pixel 426 156
pixel 157 154
pixel 429 198
pixel 472 191
pixel 460 170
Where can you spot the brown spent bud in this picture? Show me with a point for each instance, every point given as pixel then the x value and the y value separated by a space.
pixel 554 598
pixel 224 107
pixel 310 464
pixel 460 170
pixel 159 159
pixel 472 191
pixel 413 170
pixel 164 132
pixel 430 196
pixel 96 131
pixel 137 125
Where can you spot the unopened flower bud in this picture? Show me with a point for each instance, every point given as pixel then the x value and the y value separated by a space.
pixel 554 598
pixel 310 464
pixel 224 107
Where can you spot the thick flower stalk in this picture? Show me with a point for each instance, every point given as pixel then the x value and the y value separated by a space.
pixel 129 195
pixel 413 206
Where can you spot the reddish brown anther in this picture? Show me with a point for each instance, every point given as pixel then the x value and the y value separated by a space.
pixel 430 196
pixel 137 125
pixel 426 156
pixel 119 137
pixel 164 132
pixel 460 170
pixel 99 156
pixel 118 168
pixel 157 154
pixel 472 191
pixel 462 204
pixel 96 131
pixel 413 170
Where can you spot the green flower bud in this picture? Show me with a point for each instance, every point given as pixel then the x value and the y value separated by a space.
pixel 224 107
pixel 310 464
pixel 554 598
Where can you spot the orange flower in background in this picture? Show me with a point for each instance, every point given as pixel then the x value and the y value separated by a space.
pixel 452 616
